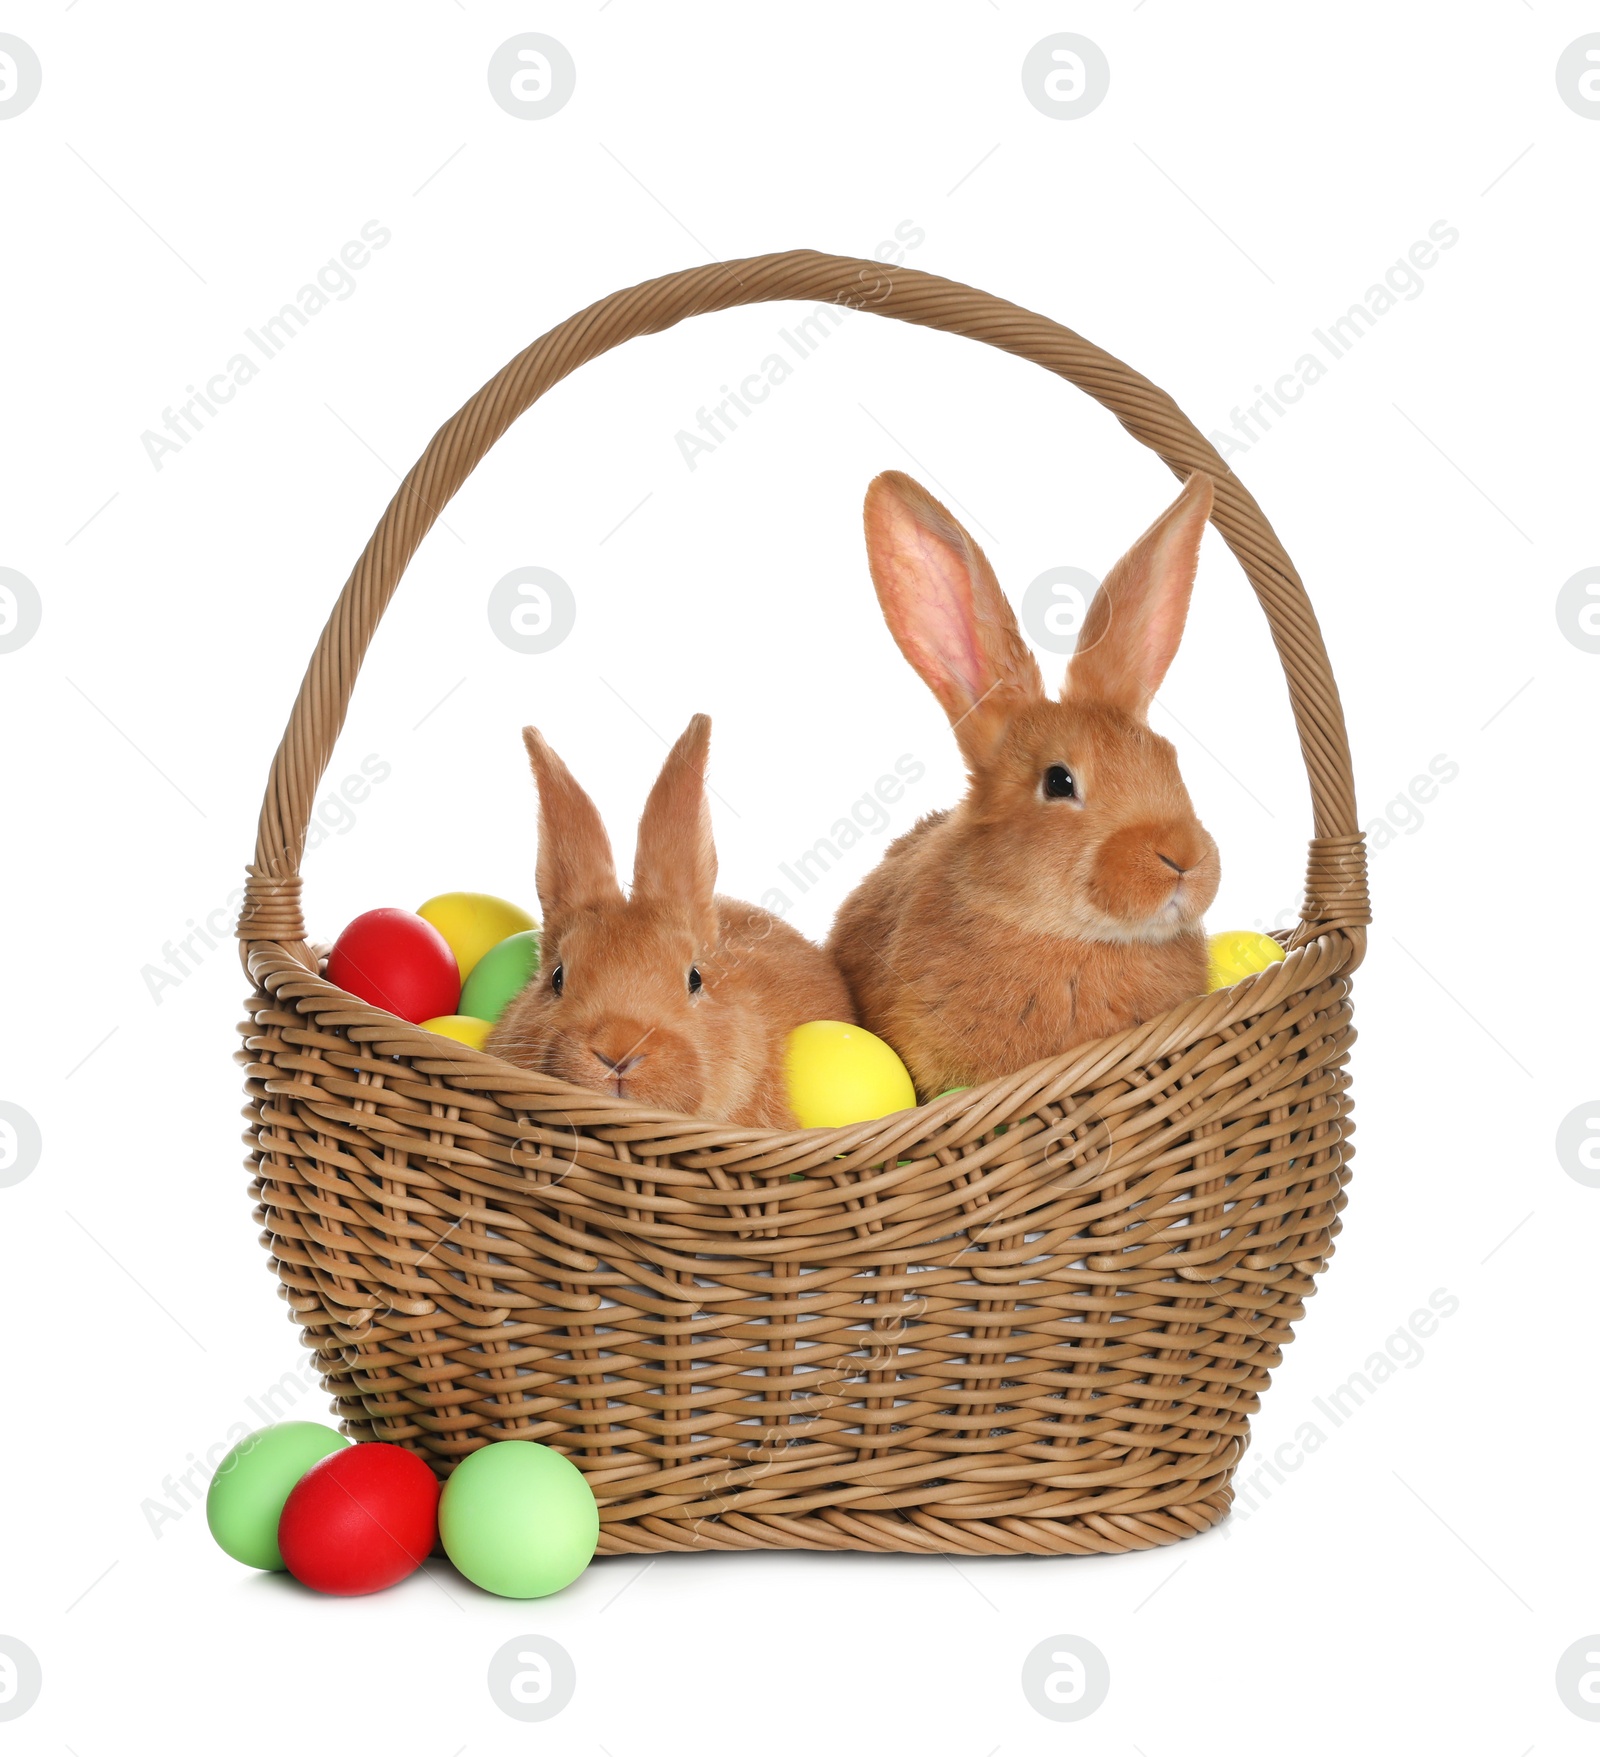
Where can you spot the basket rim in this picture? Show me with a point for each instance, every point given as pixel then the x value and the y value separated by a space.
pixel 277 971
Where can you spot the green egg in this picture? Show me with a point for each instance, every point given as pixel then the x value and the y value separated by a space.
pixel 519 1519
pixel 253 1481
pixel 500 975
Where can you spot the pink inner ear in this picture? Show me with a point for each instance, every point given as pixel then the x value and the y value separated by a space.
pixel 950 640
pixel 1168 579
pixel 1140 612
pixel 935 618
pixel 1161 639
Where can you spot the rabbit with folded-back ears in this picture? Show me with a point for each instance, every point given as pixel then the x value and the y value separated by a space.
pixel 1061 900
pixel 673 996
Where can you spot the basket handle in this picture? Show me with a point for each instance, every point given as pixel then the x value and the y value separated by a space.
pixel 1336 894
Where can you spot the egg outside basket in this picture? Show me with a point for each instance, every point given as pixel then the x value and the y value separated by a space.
pixel 1034 1317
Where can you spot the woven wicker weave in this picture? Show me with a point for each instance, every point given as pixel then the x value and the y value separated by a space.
pixel 1031 1317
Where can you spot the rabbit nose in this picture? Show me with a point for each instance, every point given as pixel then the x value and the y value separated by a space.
pixel 619 1068
pixel 1167 860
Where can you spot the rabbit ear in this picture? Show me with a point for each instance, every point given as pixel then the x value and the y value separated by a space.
pixel 1136 619
pixel 575 865
pixel 676 860
pixel 947 613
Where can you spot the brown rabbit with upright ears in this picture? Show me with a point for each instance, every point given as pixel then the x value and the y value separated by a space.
pixel 1061 900
pixel 673 996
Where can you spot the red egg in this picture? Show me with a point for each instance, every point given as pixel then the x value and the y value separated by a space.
pixel 397 961
pixel 363 1525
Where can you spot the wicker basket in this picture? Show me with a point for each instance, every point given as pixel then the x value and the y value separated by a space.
pixel 1033 1317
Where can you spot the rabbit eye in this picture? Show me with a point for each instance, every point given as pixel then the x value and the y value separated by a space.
pixel 1059 782
pixel 558 979
pixel 695 981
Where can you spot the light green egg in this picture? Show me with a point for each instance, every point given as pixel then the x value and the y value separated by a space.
pixel 500 975
pixel 519 1519
pixel 253 1481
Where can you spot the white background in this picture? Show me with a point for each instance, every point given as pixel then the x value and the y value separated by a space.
pixel 1253 171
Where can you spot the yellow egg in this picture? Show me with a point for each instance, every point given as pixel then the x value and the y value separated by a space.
pixel 841 1074
pixel 471 1032
pixel 471 922
pixel 1235 956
